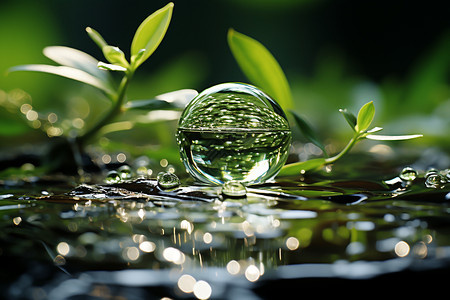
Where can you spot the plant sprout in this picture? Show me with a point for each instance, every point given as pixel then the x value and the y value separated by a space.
pixel 261 68
pixel 80 66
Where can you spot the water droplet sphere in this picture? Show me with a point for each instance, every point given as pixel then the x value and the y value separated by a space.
pixel 408 174
pixel 234 189
pixel 167 180
pixel 233 132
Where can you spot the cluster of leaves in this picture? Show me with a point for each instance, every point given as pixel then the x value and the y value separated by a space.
pixel 254 59
pixel 261 68
pixel 80 66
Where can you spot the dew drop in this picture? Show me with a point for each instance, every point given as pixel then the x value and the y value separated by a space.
pixel 435 180
pixel 234 189
pixel 112 177
pixel 167 180
pixel 408 174
pixel 125 172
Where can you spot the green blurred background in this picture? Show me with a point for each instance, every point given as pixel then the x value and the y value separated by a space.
pixel 336 54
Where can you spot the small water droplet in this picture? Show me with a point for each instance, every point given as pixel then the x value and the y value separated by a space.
pixel 234 189
pixel 431 172
pixel 112 177
pixel 168 180
pixel 125 172
pixel 435 180
pixel 408 174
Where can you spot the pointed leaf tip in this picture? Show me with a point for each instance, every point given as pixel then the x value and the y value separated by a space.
pixel 365 117
pixel 149 34
pixel 260 67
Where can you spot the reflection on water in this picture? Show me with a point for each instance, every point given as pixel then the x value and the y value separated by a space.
pixel 133 239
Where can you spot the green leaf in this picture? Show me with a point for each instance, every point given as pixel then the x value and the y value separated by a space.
pixel 96 37
pixel 377 137
pixel 150 34
pixel 302 167
pixel 351 118
pixel 172 100
pixel 67 72
pixel 308 132
pixel 74 58
pixel 260 67
pixel 115 56
pixel 365 117
pixel 110 67
pixel 150 104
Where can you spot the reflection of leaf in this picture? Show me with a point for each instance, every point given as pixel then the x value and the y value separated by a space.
pixel 150 34
pixel 260 67
pixel 312 193
pixel 365 117
pixel 301 167
pixel 308 132
pixel 67 72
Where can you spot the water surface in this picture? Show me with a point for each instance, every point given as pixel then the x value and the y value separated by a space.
pixel 134 239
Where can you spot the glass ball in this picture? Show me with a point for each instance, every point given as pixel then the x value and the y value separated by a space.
pixel 233 132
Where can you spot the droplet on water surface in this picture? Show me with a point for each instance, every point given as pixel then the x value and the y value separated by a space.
pixel 234 189
pixel 233 132
pixel 167 180
pixel 125 172
pixel 112 177
pixel 408 174
pixel 435 180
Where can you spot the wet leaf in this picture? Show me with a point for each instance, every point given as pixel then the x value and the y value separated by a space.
pixel 302 167
pixel 365 117
pixel 349 117
pixel 150 34
pixel 260 67
pixel 308 132
pixel 67 72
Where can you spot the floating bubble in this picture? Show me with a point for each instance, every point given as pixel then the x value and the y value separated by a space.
pixel 167 180
pixel 233 132
pixel 408 174
pixel 112 177
pixel 234 189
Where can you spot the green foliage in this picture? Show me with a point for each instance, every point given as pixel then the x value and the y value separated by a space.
pixel 149 35
pixel 260 67
pixel 308 132
pixel 79 66
pixel 365 117
pixel 360 132
pixel 263 70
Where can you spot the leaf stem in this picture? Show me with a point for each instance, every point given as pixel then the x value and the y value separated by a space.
pixel 118 102
pixel 344 151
